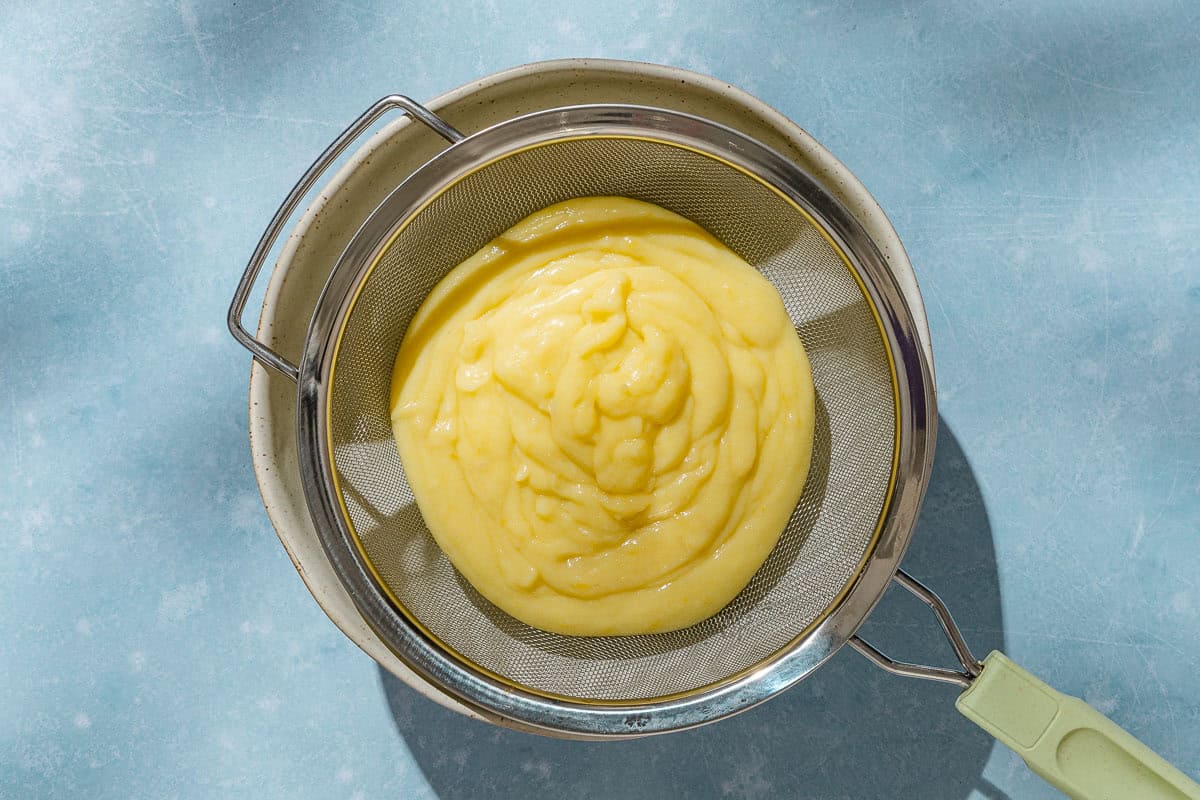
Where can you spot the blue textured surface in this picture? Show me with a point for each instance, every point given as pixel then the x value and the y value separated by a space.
pixel 1039 161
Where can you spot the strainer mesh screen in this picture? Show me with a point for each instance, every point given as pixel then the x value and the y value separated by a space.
pixel 828 534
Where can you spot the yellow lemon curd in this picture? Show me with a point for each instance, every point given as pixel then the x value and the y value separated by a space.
pixel 606 418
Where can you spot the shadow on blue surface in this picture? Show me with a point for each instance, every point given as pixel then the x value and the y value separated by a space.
pixel 849 730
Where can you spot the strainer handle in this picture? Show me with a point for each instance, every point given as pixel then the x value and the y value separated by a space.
pixel 1064 740
pixel 261 351
pixel 1074 747
pixel 970 667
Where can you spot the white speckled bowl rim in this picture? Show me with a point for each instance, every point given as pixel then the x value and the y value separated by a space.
pixel 394 152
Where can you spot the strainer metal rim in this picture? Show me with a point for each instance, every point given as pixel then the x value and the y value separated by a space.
pixel 916 424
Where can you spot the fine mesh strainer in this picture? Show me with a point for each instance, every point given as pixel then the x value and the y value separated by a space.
pixel 873 446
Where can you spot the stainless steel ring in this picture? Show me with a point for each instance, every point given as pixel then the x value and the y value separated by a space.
pixel 917 430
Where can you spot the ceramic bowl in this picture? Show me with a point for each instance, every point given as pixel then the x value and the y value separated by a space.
pixel 385 160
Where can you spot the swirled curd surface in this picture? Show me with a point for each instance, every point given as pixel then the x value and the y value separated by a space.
pixel 606 418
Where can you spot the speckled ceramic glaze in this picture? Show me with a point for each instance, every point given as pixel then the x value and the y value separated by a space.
pixel 395 152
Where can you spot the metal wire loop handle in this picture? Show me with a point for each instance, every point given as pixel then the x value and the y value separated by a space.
pixel 265 355
pixel 970 667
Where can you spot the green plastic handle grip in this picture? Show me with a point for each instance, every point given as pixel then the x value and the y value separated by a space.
pixel 1072 745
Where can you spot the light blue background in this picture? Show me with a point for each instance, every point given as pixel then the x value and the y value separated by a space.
pixel 1040 161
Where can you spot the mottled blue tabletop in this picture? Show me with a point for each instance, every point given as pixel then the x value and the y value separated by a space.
pixel 1039 160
